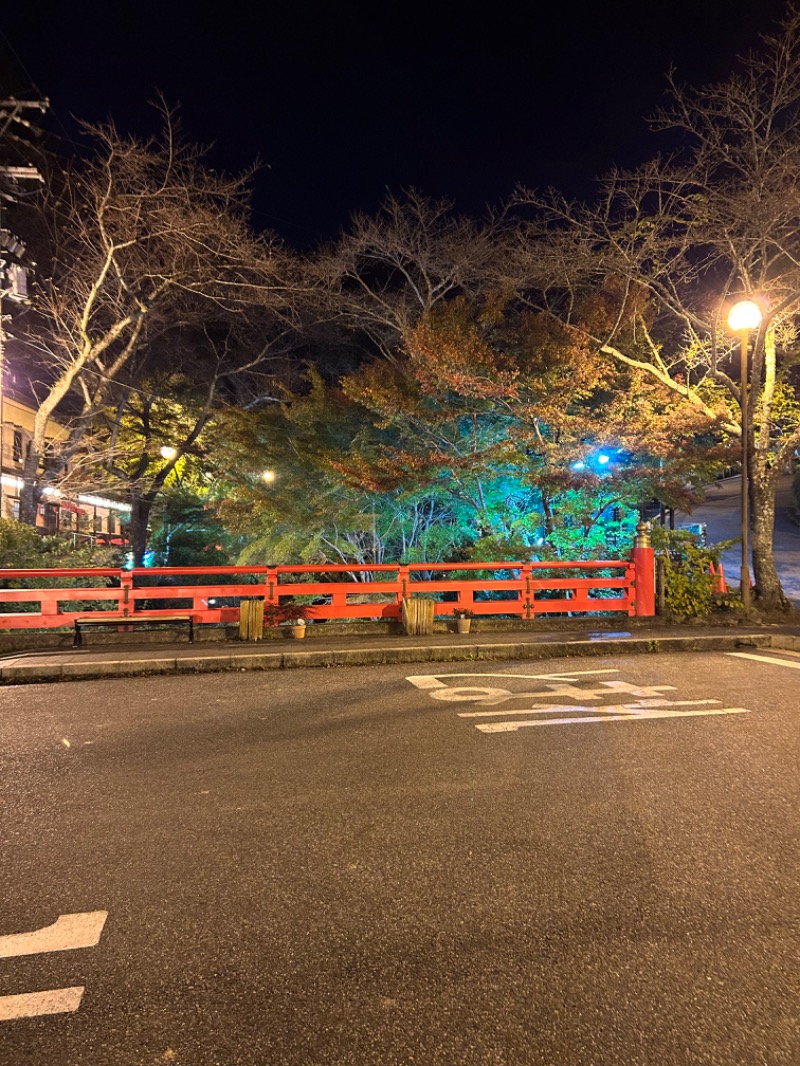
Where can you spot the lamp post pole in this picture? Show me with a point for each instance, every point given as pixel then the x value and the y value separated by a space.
pixel 745 570
pixel 744 317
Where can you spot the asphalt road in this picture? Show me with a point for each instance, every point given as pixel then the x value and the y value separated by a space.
pixel 524 865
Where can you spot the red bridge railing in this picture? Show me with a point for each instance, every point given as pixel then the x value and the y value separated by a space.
pixel 526 590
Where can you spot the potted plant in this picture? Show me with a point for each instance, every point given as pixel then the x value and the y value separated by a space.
pixel 463 617
pixel 297 627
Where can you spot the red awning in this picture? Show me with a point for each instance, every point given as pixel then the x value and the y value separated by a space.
pixel 65 505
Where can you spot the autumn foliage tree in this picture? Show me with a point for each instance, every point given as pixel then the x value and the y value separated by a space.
pixel 464 445
pixel 672 245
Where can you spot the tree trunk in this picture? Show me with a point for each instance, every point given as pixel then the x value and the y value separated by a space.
pixel 140 516
pixel 31 492
pixel 547 511
pixel 769 594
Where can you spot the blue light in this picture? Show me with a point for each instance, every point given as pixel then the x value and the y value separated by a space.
pixel 603 459
pixel 579 465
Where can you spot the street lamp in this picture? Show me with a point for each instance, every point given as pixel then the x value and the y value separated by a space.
pixel 744 317
pixel 268 476
pixel 166 452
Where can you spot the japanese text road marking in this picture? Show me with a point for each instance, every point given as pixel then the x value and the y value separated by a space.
pixel 432 680
pixel 480 694
pixel 646 701
pixel 614 713
pixel 67 933
pixel 640 705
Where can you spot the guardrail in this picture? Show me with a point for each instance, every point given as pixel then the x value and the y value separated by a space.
pixel 525 590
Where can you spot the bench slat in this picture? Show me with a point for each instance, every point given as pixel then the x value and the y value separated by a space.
pixel 103 618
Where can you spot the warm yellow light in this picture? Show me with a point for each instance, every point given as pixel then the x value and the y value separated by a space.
pixel 268 475
pixel 168 453
pixel 744 315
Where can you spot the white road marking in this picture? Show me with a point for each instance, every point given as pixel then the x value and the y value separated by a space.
pixel 432 680
pixel 32 1004
pixel 765 659
pixel 558 709
pixel 512 727
pixel 429 680
pixel 649 702
pixel 68 932
pixel 478 694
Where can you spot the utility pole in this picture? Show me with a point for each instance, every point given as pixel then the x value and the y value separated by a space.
pixel 13 275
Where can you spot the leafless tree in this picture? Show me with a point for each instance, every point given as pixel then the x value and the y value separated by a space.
pixel 389 271
pixel 144 239
pixel 649 271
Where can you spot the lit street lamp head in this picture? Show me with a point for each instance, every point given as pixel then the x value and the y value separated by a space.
pixel 746 314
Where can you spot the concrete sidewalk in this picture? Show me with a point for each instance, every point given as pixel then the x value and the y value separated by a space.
pixel 85 663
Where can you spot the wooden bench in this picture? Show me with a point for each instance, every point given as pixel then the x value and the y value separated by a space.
pixel 106 618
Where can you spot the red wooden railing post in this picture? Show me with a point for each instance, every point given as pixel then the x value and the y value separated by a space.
pixel 528 608
pixel 403 578
pixel 271 596
pixel 644 564
pixel 126 603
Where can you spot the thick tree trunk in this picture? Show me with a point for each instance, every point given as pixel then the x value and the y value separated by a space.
pixel 769 594
pixel 140 516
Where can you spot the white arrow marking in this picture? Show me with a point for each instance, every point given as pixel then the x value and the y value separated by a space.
pixel 68 931
pixel 32 1004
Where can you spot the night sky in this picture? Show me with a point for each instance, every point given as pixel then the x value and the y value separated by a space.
pixel 344 101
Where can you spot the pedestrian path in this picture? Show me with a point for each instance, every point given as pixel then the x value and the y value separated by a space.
pixel 129 659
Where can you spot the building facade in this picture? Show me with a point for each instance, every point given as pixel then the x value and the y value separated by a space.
pixel 82 516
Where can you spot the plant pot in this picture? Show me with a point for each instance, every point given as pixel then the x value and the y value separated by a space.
pixel 298 632
pixel 463 624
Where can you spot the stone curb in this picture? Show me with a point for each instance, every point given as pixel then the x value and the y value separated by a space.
pixel 34 673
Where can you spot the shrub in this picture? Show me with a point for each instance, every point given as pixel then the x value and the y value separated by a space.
pixel 688 581
pixel 22 548
pixel 286 614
